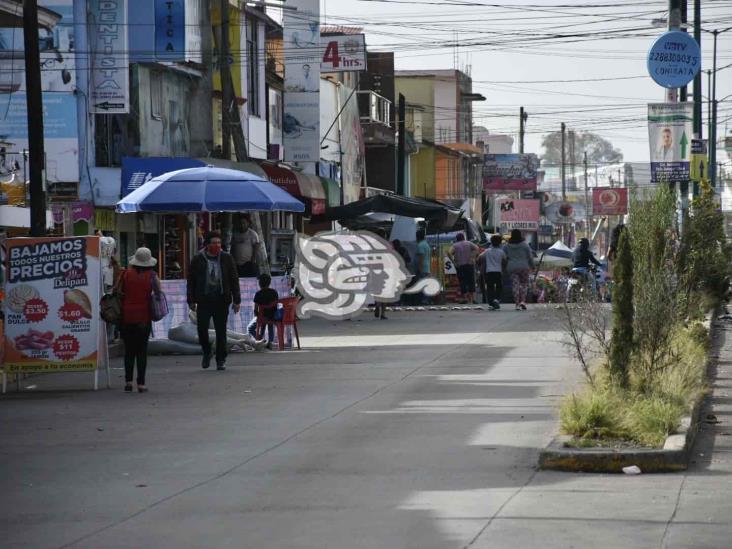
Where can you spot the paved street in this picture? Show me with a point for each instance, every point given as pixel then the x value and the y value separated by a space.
pixel 421 432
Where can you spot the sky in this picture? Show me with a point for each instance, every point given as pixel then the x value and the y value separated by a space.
pixel 595 80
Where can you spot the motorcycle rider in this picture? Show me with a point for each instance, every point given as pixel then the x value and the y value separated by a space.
pixel 582 256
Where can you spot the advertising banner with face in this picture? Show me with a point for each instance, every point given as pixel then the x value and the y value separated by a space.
pixel 301 123
pixel 58 76
pixel 670 132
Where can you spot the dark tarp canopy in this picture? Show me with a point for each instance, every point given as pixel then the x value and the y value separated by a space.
pixel 433 212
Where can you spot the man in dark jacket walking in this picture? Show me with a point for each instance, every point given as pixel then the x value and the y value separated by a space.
pixel 213 285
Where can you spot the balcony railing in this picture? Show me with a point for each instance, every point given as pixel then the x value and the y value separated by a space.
pixel 374 108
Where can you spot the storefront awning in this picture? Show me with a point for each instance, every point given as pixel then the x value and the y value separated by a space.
pixel 436 213
pixel 301 185
pixel 332 191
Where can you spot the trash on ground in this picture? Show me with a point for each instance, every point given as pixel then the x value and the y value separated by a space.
pixel 632 470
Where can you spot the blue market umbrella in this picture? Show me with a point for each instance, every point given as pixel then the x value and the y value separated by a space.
pixel 208 189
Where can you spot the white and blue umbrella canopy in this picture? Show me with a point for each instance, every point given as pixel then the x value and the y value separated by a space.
pixel 208 189
pixel 558 255
pixel 560 249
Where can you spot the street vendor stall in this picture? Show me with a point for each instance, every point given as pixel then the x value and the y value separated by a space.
pixel 548 281
pixel 382 210
pixel 209 190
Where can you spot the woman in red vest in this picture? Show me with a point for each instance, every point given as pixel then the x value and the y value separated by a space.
pixel 136 285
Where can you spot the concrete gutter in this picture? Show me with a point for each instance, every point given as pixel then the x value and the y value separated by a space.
pixel 674 456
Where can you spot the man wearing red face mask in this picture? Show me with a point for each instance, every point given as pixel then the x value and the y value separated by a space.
pixel 213 285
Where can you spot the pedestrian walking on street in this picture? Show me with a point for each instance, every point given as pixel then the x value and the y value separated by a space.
pixel 213 286
pixel 520 261
pixel 493 261
pixel 136 285
pixel 463 254
pixel 422 262
pixel 402 251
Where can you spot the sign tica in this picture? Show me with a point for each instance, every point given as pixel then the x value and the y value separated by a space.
pixel 169 29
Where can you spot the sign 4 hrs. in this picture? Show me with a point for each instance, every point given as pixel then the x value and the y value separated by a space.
pixel 344 53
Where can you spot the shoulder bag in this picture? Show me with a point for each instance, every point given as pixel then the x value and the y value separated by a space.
pixel 110 306
pixel 159 303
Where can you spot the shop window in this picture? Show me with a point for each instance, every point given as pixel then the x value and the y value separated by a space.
pixel 114 137
pixel 275 115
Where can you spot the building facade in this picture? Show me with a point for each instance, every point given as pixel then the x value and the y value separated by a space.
pixel 447 166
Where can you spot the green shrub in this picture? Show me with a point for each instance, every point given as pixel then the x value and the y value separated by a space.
pixel 649 420
pixel 682 380
pixel 699 334
pixel 592 414
pixel 703 265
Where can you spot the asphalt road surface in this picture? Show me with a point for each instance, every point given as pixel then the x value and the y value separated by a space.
pixel 421 431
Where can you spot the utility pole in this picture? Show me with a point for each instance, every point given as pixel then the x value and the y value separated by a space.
pixel 683 92
pixel 34 106
pixel 225 77
pixel 683 96
pixel 572 160
pixel 523 116
pixel 697 89
pixel 713 128
pixel 231 126
pixel 564 160
pixel 401 145
pixel 698 78
pixel 588 219
pixel 674 24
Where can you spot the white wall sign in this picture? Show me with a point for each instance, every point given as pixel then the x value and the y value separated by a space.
pixel 109 89
pixel 301 123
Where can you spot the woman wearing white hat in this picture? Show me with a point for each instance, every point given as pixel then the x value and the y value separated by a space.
pixel 136 287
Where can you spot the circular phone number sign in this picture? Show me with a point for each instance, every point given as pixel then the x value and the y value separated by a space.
pixel 674 59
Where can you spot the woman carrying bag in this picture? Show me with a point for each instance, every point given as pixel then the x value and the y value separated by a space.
pixel 138 287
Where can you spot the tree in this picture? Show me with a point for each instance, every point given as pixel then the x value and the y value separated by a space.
pixel 599 150
pixel 653 244
pixel 703 267
pixel 621 345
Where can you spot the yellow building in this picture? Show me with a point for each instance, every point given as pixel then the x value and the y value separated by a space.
pixel 447 166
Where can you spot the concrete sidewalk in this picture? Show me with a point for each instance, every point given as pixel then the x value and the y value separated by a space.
pixel 417 432
pixel 689 510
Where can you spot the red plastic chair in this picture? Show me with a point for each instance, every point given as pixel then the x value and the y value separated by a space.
pixel 289 318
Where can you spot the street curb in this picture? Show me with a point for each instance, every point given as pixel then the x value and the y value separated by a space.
pixel 674 456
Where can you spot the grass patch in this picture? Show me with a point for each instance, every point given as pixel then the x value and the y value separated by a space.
pixel 592 414
pixel 649 420
pixel 650 409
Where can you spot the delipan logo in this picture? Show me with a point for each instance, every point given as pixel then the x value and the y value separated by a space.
pixel 337 272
